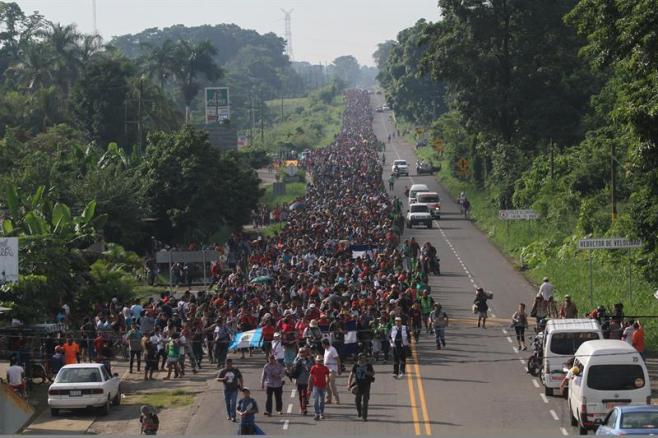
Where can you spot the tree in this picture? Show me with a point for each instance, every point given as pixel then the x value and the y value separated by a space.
pixel 347 69
pixel 66 63
pixel 192 188
pixel 99 98
pixel 17 31
pixel 382 53
pixel 190 61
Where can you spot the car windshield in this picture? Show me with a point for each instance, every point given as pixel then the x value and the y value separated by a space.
pixel 639 420
pixel 428 198
pixel 419 208
pixel 615 377
pixel 566 344
pixel 399 163
pixel 78 375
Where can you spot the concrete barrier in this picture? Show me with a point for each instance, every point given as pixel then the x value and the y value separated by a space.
pixel 14 411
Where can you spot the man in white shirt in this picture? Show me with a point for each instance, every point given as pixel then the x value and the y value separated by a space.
pixel 399 340
pixel 546 290
pixel 16 376
pixel 331 361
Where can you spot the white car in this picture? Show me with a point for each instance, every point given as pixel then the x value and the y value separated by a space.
pixel 419 214
pixel 84 385
pixel 402 166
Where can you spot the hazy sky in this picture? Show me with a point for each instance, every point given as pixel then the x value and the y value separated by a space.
pixel 321 29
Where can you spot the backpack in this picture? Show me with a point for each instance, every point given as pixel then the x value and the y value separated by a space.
pixel 150 424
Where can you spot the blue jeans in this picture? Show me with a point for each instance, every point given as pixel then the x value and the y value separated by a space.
pixel 318 395
pixel 440 333
pixel 231 400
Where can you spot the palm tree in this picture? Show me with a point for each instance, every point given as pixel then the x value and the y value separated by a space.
pixel 89 45
pixel 66 63
pixel 158 63
pixel 191 60
pixel 34 70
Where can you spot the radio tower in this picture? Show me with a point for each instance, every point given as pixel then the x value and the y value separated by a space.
pixel 288 33
pixel 93 9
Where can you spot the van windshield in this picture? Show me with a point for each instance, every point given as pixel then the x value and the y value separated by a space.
pixel 567 343
pixel 615 377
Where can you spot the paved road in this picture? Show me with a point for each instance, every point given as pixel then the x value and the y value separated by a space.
pixel 477 386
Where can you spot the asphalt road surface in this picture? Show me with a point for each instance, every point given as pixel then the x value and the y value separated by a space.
pixel 477 386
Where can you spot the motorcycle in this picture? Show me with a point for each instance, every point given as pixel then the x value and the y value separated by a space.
pixel 536 360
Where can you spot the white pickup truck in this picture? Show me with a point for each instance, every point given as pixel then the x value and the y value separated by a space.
pixel 419 214
pixel 401 166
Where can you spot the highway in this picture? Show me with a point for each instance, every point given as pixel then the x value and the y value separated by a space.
pixel 478 385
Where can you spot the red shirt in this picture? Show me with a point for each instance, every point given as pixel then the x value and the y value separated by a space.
pixel 638 339
pixel 71 353
pixel 319 375
pixel 268 333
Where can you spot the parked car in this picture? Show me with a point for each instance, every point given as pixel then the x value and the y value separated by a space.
pixel 630 420
pixel 424 168
pixel 402 166
pixel 419 214
pixel 421 143
pixel 82 386
pixel 611 374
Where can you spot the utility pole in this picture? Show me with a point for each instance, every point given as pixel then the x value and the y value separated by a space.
pixel 613 179
pixel 552 152
pixel 93 11
pixel 253 120
pixel 140 125
pixel 262 120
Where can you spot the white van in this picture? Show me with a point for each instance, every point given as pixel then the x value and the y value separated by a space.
pixel 612 373
pixel 414 190
pixel 562 337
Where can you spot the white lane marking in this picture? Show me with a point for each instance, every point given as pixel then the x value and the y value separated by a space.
pixel 286 423
pixel 554 415
pixel 510 340
pixel 290 408
pixel 292 393
pixel 473 281
pixel 535 382
pixel 543 397
pixel 564 431
pixel 504 331
pixel 522 362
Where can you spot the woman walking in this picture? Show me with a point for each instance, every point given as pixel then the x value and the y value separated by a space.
pixel 520 323
pixel 480 306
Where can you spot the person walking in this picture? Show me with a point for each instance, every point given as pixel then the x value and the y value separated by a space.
pixel 480 306
pixel 359 381
pixel 546 290
pixel 399 339
pixel 317 384
pixel 173 355
pixel 231 377
pixel 520 323
pixel 332 361
pixel 221 341
pixel 301 372
pixel 391 182
pixel 568 309
pixel 439 321
pixel 247 409
pixel 637 340
pixel 150 356
pixel 71 351
pixel 149 421
pixel 134 338
pixel 272 382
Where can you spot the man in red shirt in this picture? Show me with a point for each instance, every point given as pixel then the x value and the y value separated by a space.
pixel 638 338
pixel 317 383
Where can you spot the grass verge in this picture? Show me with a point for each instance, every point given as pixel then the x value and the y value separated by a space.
pixel 568 268
pixel 162 399
pixel 293 191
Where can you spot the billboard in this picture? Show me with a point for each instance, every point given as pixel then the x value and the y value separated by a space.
pixel 8 260
pixel 218 106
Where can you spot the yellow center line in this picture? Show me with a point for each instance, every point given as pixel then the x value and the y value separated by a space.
pixel 421 392
pixel 412 399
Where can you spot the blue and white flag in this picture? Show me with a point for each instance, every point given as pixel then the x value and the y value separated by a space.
pixel 351 342
pixel 249 339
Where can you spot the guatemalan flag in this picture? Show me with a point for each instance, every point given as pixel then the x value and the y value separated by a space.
pixel 351 345
pixel 249 339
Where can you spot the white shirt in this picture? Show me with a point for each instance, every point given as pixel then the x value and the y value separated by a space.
pixel 15 375
pixel 156 340
pixel 331 358
pixel 546 290
pixel 628 334
pixel 277 350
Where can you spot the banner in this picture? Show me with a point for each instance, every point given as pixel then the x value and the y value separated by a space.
pixel 249 339
pixel 9 260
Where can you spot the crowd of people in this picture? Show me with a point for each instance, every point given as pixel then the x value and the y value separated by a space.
pixel 335 287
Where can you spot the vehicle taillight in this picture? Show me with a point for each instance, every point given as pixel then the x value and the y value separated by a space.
pixel 583 414
pixel 54 392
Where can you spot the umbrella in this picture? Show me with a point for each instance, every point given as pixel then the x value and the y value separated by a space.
pixel 296 205
pixel 262 279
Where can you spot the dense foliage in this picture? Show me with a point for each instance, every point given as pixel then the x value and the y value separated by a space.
pixel 553 104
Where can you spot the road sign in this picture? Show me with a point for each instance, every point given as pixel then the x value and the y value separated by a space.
pixel 217 104
pixel 613 243
pixel 511 215
pixel 9 260
pixel 463 167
